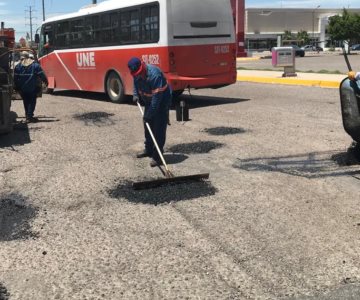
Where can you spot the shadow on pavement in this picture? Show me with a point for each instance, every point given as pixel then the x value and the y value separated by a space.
pixel 308 165
pixel 82 95
pixel 173 159
pixel 347 291
pixel 18 137
pixel 89 96
pixel 204 101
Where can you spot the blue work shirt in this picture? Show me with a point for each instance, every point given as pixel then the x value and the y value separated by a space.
pixel 26 77
pixel 153 90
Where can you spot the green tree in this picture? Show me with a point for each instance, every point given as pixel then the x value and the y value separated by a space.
pixel 303 36
pixel 287 37
pixel 345 27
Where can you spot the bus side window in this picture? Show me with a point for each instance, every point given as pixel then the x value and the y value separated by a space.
pixel 114 22
pixel 63 34
pixel 76 33
pixel 48 42
pixel 130 27
pixel 125 27
pixel 88 31
pixel 105 28
pixel 150 24
pixel 135 26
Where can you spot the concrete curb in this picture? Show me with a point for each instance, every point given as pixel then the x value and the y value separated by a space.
pixel 305 79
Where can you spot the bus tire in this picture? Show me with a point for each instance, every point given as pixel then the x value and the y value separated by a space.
pixel 115 88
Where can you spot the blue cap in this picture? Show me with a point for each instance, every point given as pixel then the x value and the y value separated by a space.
pixel 134 64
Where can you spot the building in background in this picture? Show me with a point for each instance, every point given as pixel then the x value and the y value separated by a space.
pixel 264 26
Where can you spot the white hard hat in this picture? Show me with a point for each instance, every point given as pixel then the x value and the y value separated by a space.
pixel 24 54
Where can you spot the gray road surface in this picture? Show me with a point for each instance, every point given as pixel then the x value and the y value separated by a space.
pixel 278 219
pixel 313 62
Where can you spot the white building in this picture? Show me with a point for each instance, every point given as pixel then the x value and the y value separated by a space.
pixel 263 26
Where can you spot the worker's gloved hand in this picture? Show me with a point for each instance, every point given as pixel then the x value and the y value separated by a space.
pixel 135 99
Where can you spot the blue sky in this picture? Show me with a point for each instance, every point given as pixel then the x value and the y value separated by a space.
pixel 15 13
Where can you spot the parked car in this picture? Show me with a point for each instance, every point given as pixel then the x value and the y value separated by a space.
pixel 355 47
pixel 312 48
pixel 298 51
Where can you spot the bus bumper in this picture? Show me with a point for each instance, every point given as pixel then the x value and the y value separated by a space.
pixel 211 81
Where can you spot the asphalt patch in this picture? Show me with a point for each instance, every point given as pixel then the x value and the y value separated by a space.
pixel 195 148
pixel 350 157
pixel 4 295
pixel 174 192
pixel 224 130
pixel 15 218
pixel 97 118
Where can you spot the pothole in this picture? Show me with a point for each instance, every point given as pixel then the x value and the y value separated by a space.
pixel 4 295
pixel 15 218
pixel 173 192
pixel 197 147
pixel 97 118
pixel 224 130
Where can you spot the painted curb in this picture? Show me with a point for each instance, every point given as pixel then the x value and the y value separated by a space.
pixel 291 81
pixel 247 58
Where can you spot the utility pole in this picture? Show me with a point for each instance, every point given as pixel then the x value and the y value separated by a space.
pixel 30 11
pixel 43 9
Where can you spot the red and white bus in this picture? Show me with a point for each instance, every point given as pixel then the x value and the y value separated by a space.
pixel 193 42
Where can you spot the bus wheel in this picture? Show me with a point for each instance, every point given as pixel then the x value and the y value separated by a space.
pixel 115 88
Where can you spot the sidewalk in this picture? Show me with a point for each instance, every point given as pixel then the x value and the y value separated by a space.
pixel 306 79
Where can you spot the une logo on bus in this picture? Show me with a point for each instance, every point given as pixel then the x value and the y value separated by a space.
pixel 86 60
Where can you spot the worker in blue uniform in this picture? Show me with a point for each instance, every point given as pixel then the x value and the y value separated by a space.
pixel 28 76
pixel 154 93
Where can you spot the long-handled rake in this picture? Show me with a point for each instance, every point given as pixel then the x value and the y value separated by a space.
pixel 169 176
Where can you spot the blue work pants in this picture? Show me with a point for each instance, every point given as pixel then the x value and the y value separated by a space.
pixel 158 125
pixel 29 100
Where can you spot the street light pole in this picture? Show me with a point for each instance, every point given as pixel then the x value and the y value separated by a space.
pixel 313 24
